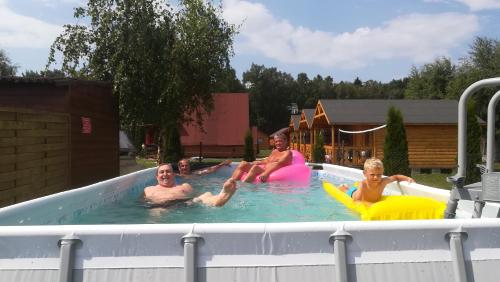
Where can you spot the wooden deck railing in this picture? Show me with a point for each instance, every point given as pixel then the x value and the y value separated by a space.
pixel 354 156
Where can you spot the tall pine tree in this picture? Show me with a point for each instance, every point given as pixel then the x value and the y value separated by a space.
pixel 396 145
pixel 319 149
pixel 249 154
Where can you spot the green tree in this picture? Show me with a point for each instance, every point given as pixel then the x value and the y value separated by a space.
pixel 431 81
pixel 163 65
pixel 396 145
pixel 473 145
pixel 43 74
pixel 269 97
pixel 318 154
pixel 6 66
pixel 249 154
pixel 172 148
pixel 228 83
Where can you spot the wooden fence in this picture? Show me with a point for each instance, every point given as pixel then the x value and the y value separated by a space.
pixel 34 154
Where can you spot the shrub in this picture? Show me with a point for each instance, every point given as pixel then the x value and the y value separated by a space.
pixel 319 153
pixel 249 154
pixel 396 145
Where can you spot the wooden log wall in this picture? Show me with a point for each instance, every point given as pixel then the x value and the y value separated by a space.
pixel 429 146
pixel 34 150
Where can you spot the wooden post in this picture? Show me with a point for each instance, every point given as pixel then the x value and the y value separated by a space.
pixel 333 143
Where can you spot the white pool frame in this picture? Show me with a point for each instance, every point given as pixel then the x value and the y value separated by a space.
pixel 431 250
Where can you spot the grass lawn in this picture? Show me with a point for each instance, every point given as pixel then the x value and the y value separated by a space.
pixel 437 180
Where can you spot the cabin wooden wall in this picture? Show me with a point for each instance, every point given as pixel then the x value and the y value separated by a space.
pixel 34 149
pixel 429 146
pixel 95 156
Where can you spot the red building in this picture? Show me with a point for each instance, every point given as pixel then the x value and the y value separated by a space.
pixel 223 133
pixel 224 129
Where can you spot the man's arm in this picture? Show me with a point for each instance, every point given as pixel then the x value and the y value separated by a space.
pixel 213 168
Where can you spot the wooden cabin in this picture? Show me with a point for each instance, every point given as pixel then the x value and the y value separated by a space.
pixel 301 135
pixel 55 135
pixel 349 129
pixel 294 137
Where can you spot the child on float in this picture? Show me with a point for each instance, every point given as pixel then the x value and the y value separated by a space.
pixel 370 189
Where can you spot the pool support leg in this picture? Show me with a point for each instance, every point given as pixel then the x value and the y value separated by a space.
pixel 189 241
pixel 67 246
pixel 338 239
pixel 457 254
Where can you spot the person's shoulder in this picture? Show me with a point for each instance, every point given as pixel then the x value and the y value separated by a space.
pixel 150 187
pixel 184 185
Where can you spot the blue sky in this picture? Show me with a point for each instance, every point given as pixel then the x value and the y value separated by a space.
pixel 369 39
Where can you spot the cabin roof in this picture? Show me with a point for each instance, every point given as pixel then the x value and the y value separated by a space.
pixel 375 111
pixel 295 121
pixel 307 117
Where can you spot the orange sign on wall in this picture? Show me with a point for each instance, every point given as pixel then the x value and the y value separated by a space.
pixel 86 125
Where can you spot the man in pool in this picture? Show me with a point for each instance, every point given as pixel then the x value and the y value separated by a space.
pixel 371 188
pixel 281 156
pixel 167 191
pixel 185 168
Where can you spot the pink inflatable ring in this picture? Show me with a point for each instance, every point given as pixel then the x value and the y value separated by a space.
pixel 298 171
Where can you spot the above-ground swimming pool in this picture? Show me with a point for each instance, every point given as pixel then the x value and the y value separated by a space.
pixel 50 239
pixel 267 202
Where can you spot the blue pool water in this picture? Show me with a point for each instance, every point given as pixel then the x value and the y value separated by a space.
pixel 268 202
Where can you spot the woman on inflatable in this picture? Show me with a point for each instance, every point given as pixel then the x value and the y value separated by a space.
pixel 281 165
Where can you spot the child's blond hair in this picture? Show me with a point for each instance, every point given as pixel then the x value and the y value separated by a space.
pixel 373 163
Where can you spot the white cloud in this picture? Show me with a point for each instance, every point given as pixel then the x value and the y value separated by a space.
pixel 478 5
pixel 55 3
pixel 21 31
pixel 418 37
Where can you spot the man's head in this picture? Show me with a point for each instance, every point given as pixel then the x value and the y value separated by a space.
pixel 165 175
pixel 184 167
pixel 373 169
pixel 280 142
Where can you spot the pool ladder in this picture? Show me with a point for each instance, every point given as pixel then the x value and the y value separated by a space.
pixel 489 188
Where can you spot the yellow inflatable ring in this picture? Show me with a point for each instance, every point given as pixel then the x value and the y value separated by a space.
pixel 394 207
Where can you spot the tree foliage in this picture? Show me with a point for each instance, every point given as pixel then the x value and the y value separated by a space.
pixel 163 65
pixel 431 81
pixel 43 74
pixel 172 148
pixel 7 68
pixel 396 145
pixel 269 97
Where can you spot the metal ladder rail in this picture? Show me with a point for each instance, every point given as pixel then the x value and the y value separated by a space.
pixel 490 133
pixel 458 191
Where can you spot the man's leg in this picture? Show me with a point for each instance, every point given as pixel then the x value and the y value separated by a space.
pixel 252 173
pixel 220 199
pixel 242 168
